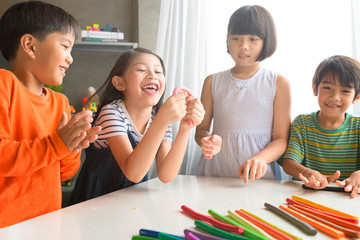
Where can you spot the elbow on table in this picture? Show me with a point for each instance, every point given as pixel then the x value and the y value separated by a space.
pixel 166 179
pixel 134 178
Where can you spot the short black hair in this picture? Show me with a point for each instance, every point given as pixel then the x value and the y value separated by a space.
pixel 254 20
pixel 36 18
pixel 345 68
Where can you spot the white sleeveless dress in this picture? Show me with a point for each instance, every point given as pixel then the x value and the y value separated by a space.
pixel 243 117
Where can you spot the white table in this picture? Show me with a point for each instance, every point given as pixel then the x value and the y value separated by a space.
pixel 155 205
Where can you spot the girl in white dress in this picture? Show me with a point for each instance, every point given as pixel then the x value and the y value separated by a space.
pixel 249 106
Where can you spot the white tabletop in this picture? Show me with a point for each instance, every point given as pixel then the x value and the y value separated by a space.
pixel 156 206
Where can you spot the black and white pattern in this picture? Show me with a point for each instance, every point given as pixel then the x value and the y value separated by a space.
pixel 115 120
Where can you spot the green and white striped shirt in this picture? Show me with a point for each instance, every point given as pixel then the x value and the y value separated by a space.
pixel 325 150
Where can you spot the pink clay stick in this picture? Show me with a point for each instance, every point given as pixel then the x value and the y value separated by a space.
pixel 213 221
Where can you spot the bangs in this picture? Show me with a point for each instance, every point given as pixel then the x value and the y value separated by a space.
pixel 247 23
pixel 72 28
pixel 333 71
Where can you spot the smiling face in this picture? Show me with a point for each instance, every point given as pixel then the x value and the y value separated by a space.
pixel 143 83
pixel 333 98
pixel 53 58
pixel 245 49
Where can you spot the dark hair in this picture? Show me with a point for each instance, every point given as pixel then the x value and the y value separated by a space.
pixel 345 68
pixel 254 20
pixel 108 93
pixel 36 18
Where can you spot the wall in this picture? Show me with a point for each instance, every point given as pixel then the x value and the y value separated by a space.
pixel 145 22
pixel 138 19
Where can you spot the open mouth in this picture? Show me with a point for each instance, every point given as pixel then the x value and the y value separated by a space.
pixel 243 56
pixel 150 89
pixel 63 69
pixel 332 105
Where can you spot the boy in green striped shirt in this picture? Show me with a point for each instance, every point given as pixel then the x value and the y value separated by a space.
pixel 324 145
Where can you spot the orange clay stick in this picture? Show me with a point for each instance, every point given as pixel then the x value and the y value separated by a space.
pixel 267 228
pixel 347 231
pixel 246 223
pixel 329 218
pixel 318 225
pixel 273 225
pixel 321 207
pixel 296 203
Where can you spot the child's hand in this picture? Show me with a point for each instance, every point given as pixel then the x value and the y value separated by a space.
pixel 211 146
pixel 316 180
pixel 352 184
pixel 91 136
pixel 75 131
pixel 253 168
pixel 174 109
pixel 194 111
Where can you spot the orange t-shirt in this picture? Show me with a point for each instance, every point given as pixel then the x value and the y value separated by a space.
pixel 33 158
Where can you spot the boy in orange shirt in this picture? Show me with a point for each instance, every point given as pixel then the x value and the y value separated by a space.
pixel 39 147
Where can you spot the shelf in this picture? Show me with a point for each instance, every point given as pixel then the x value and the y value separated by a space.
pixel 104 46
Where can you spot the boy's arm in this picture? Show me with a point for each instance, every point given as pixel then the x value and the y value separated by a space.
pixel 311 178
pixel 293 168
pixel 69 166
pixel 77 128
pixel 25 156
pixel 28 153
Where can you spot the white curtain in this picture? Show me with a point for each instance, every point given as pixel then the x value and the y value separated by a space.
pixel 355 18
pixel 192 42
pixel 182 45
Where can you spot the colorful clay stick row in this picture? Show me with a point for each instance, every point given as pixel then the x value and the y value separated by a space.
pixel 272 225
pixel 203 236
pixel 290 201
pixel 321 207
pixel 329 188
pixel 218 232
pixel 318 225
pixel 329 218
pixel 305 227
pixel 270 230
pixel 156 234
pixel 348 232
pixel 213 221
pixel 188 92
pixel 249 225
pixel 247 232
